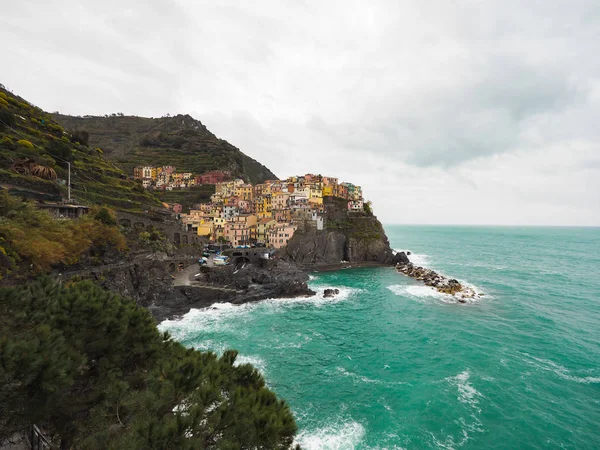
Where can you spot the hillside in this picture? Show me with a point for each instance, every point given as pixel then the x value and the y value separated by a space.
pixel 179 141
pixel 34 155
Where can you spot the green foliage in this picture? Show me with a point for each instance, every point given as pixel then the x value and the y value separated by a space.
pixel 92 369
pixel 36 241
pixel 106 217
pixel 59 150
pixel 95 180
pixel 367 206
pixel 25 143
pixel 180 141
pixel 80 137
pixel 3 103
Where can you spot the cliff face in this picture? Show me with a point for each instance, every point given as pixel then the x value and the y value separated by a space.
pixel 348 236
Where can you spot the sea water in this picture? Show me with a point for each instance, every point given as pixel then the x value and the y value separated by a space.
pixel 390 363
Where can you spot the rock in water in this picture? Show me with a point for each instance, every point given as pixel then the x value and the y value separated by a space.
pixel 437 281
pixel 328 293
pixel 400 258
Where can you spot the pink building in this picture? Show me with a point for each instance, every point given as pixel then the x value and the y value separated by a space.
pixel 214 177
pixel 280 235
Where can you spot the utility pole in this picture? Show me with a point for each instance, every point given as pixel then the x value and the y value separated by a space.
pixel 69 182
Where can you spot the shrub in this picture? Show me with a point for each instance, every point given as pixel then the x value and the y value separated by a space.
pixel 81 137
pixel 40 242
pixel 3 103
pixel 25 143
pixel 60 150
pixel 104 216
pixel 7 119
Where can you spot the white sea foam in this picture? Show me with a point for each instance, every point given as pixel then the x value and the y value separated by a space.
pixel 423 293
pixel 467 394
pixel 256 361
pixel 226 316
pixel 337 436
pixel 418 259
pixel 470 397
pixel 355 376
pixel 561 371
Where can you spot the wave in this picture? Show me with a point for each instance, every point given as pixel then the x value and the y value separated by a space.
pixel 560 371
pixel 418 259
pixel 423 292
pixel 218 311
pixel 355 376
pixel 467 394
pixel 255 361
pixel 361 378
pixel 338 436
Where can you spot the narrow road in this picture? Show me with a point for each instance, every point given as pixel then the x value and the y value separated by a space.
pixel 185 277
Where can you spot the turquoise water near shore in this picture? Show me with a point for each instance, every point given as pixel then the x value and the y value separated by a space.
pixel 390 363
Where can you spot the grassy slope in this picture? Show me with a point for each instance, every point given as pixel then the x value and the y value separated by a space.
pixel 180 141
pixel 94 178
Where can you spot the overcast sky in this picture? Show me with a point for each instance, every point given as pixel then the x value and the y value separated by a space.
pixel 462 112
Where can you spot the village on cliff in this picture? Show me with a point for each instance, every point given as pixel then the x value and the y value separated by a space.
pixel 242 214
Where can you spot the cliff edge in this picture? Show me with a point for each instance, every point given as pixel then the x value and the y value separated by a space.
pixel 347 237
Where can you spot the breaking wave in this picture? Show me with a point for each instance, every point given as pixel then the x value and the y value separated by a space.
pixel 423 292
pixel 418 259
pixel 557 369
pixel 337 436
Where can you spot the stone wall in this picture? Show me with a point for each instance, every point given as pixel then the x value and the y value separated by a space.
pixel 172 228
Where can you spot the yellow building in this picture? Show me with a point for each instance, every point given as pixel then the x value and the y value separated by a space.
pixel 244 192
pixel 328 191
pixel 205 227
pixel 262 229
pixel 218 228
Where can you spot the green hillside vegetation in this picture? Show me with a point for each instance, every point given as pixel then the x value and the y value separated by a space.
pixel 32 242
pixel 179 141
pixel 91 368
pixel 34 151
pixel 187 197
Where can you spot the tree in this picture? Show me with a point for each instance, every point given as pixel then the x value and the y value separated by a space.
pixel 92 368
pixel 105 216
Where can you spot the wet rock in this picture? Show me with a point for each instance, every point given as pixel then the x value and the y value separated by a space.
pixel 400 258
pixel 328 293
pixel 442 284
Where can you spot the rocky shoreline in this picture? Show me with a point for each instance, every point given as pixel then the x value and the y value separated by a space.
pixel 439 282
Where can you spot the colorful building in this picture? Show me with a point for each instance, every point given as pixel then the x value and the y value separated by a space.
pixel 214 177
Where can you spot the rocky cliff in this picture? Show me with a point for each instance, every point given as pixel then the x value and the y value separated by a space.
pixel 352 237
pixel 149 281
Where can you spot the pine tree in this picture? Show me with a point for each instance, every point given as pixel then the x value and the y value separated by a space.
pixel 92 368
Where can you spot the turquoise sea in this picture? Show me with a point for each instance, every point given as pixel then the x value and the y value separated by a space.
pixel 391 364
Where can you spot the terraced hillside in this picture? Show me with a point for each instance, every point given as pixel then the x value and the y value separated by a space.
pixel 179 141
pixel 35 150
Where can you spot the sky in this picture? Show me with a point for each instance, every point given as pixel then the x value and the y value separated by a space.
pixel 463 112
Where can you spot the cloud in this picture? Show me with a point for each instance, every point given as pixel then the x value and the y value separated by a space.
pixel 445 112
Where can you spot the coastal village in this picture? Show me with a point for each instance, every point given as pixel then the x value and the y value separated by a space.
pixel 266 214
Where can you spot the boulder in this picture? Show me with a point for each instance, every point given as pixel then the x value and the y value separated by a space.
pixel 328 293
pixel 400 258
